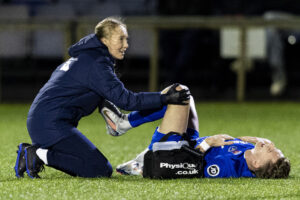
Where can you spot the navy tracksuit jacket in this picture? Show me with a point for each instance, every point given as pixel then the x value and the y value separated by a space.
pixel 76 88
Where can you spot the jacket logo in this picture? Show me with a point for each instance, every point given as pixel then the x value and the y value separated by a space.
pixel 66 65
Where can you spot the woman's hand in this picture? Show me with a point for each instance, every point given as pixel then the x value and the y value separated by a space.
pixel 176 96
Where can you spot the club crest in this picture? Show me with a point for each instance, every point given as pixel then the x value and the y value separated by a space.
pixel 234 150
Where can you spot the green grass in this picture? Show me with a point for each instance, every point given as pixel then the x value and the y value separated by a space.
pixel 279 122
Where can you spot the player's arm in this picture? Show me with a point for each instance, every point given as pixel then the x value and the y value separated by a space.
pixel 214 141
pixel 254 140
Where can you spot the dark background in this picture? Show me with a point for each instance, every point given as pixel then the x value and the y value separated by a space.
pixel 197 64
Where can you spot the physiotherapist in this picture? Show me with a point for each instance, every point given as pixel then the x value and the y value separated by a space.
pixel 76 88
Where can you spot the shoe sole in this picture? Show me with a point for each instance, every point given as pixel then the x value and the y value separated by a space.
pixel 109 121
pixel 27 170
pixel 122 172
pixel 17 161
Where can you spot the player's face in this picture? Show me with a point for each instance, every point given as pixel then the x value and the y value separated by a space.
pixel 117 42
pixel 266 153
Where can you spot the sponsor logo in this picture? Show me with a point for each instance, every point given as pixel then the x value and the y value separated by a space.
pixel 213 170
pixel 187 172
pixel 177 166
pixel 234 150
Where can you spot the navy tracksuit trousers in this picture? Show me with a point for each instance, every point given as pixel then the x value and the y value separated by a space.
pixel 77 156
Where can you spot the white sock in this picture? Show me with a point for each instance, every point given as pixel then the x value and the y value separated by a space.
pixel 140 158
pixel 42 154
pixel 123 125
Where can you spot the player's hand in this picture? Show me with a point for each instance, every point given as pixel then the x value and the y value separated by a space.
pixel 255 140
pixel 174 96
pixel 219 140
pixel 264 140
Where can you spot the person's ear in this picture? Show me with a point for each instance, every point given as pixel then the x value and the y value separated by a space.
pixel 256 164
pixel 104 41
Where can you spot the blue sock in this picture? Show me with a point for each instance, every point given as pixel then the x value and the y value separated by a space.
pixel 157 137
pixel 137 118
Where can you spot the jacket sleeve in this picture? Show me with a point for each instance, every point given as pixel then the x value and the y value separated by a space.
pixel 105 83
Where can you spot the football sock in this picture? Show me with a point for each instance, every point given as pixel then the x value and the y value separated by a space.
pixel 140 158
pixel 137 118
pixel 157 137
pixel 124 124
pixel 42 154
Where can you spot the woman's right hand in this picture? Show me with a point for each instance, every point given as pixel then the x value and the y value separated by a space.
pixel 175 95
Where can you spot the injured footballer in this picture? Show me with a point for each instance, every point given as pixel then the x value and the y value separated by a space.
pixel 224 156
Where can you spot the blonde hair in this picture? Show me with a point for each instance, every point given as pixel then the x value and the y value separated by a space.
pixel 104 28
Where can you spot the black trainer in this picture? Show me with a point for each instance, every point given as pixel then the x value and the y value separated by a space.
pixel 33 163
pixel 20 166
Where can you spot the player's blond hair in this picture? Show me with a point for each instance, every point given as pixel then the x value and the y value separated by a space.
pixel 104 28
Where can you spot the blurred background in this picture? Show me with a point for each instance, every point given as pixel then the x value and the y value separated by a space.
pixel 236 50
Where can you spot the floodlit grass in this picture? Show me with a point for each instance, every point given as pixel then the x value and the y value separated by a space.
pixel 279 122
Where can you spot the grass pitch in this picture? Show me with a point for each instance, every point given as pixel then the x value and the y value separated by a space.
pixel 280 122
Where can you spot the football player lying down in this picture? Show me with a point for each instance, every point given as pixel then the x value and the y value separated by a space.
pixel 225 156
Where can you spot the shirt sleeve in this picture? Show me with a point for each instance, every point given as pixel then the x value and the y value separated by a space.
pixel 104 82
pixel 199 140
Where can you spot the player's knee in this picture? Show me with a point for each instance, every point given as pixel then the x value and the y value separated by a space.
pixel 179 87
pixel 182 87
